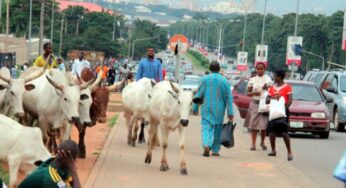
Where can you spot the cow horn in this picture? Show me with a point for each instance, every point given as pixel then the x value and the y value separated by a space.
pixel 99 76
pixel 86 84
pixel 175 89
pixel 5 79
pixel 57 86
pixel 38 75
pixel 115 85
pixel 80 80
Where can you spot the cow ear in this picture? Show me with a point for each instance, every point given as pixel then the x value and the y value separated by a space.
pixel 29 87
pixel 38 163
pixel 2 87
pixel 173 95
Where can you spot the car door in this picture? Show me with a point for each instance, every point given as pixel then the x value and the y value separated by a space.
pixel 240 97
pixel 330 82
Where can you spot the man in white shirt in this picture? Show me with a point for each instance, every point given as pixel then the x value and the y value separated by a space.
pixel 79 65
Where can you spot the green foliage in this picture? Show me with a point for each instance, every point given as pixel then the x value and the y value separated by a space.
pixel 199 58
pixel 322 35
pixel 4 175
pixel 113 121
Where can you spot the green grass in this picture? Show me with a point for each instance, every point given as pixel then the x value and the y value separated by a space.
pixel 195 62
pixel 4 174
pixel 112 121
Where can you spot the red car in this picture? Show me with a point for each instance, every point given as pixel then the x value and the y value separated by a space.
pixel 308 112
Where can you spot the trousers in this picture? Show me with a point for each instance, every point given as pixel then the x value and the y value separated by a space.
pixel 211 136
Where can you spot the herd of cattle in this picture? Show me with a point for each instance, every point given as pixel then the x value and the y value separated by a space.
pixel 54 101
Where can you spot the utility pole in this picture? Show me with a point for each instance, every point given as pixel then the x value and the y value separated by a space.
pixel 7 17
pixel 41 27
pixel 113 37
pixel 30 24
pixel 219 49
pixel 130 38
pixel 295 34
pixel 264 21
pixel 52 23
pixel 61 33
pixel 244 34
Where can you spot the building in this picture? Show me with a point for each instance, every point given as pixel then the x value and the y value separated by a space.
pixel 15 48
pixel 91 7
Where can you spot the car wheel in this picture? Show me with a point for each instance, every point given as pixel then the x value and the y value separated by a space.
pixel 324 135
pixel 339 127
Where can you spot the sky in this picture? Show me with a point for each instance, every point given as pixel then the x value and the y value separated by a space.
pixel 279 7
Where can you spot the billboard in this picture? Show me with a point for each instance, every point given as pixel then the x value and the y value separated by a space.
pixel 261 55
pixel 291 56
pixel 184 43
pixel 242 61
pixel 344 34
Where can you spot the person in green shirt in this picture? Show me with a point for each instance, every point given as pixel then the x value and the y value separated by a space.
pixel 58 172
pixel 47 57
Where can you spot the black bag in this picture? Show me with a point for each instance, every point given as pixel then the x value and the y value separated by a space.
pixel 227 134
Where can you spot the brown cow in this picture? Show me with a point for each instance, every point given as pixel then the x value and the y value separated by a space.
pixel 98 109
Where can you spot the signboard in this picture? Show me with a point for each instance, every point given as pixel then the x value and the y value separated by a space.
pixel 291 57
pixel 261 55
pixel 344 34
pixel 179 39
pixel 242 61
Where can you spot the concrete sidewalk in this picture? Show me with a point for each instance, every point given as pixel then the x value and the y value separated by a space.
pixel 122 166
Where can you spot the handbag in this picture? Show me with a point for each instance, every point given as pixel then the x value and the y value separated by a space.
pixel 263 107
pixel 277 109
pixel 227 134
pixel 340 170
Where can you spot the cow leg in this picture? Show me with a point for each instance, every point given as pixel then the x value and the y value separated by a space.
pixel 81 144
pixel 13 164
pixel 141 138
pixel 165 134
pixel 183 169
pixel 43 124
pixel 127 116
pixel 151 142
pixel 134 125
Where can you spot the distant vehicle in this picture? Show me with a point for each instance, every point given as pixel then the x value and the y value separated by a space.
pixel 333 85
pixel 189 85
pixel 193 77
pixel 308 112
pixel 315 76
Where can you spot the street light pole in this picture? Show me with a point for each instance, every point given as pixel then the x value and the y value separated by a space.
pixel 319 56
pixel 295 34
pixel 264 20
pixel 244 34
pixel 219 49
pixel 61 33
pixel 30 24
pixel 7 17
pixel 113 37
pixel 52 23
pixel 134 43
pixel 41 27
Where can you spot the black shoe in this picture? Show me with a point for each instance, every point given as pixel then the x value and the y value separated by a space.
pixel 272 154
pixel 206 152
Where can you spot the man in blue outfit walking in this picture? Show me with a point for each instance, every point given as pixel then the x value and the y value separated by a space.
pixel 214 94
pixel 151 68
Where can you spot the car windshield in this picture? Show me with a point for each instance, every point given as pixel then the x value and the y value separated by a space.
pixel 319 78
pixel 189 82
pixel 343 83
pixel 306 92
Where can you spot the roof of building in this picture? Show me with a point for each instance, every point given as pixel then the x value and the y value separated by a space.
pixel 91 7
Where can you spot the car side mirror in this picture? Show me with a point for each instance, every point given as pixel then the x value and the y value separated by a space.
pixel 332 90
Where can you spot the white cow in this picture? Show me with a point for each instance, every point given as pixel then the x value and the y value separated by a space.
pixel 12 91
pixel 54 101
pixel 170 108
pixel 21 147
pixel 136 98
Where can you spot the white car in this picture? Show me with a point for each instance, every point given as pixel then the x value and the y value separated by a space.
pixel 189 84
pixel 192 77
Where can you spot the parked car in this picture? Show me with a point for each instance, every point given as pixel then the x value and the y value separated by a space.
pixel 308 112
pixel 334 86
pixel 315 76
pixel 189 85
pixel 192 77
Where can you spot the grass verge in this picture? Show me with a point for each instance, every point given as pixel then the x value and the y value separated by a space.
pixel 196 62
pixel 112 121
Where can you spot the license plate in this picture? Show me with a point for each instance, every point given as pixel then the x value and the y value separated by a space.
pixel 296 124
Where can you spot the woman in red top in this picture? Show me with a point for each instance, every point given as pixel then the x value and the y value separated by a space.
pixel 280 126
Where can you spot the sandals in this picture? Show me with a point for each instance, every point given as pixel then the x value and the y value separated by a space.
pixel 289 157
pixel 264 147
pixel 272 154
pixel 253 148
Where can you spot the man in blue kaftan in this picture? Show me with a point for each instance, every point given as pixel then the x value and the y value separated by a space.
pixel 214 94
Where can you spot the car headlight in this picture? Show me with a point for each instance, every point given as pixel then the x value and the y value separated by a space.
pixel 318 115
pixel 344 100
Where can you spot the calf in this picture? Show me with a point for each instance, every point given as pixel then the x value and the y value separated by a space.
pixel 169 107
pixel 22 147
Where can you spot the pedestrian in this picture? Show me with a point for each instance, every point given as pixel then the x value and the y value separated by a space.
pixel 151 68
pixel 47 57
pixel 59 171
pixel 111 75
pixel 247 117
pixel 79 64
pixel 280 89
pixel 61 64
pixel 214 95
pixel 104 74
pixel 14 72
pixel 258 121
pixel 2 184
pixel 163 69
